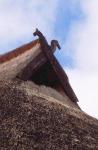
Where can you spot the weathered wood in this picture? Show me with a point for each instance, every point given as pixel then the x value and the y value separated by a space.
pixel 32 67
pixel 56 66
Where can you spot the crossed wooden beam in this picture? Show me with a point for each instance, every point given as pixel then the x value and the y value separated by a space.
pixel 62 76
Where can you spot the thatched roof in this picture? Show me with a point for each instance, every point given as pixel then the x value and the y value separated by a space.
pixel 36 116
pixel 29 120
pixel 16 60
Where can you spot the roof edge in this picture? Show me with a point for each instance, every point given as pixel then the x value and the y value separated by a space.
pixel 18 51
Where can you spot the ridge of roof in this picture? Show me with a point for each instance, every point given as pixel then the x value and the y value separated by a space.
pixel 18 51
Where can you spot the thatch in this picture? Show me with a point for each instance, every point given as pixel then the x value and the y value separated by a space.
pixel 13 62
pixel 31 120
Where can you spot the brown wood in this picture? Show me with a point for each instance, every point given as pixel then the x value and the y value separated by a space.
pixel 56 66
pixel 32 67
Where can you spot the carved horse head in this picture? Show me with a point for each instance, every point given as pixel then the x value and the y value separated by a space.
pixel 55 44
pixel 37 32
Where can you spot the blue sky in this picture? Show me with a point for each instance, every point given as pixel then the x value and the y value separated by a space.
pixel 74 23
pixel 64 21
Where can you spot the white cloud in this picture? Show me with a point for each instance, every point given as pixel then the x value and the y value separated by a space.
pixel 86 88
pixel 18 19
pixel 83 41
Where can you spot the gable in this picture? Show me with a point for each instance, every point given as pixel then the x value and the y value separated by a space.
pixel 35 61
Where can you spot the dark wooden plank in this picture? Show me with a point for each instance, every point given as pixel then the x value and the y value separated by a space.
pixel 56 66
pixel 32 67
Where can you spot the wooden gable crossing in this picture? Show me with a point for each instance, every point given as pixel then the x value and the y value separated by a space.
pixel 35 61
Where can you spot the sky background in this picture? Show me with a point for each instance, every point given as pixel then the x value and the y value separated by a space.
pixel 74 23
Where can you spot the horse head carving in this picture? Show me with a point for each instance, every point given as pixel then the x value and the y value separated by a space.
pixel 54 43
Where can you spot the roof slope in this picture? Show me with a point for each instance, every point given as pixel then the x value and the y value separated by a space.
pixel 18 51
pixel 13 62
pixel 34 122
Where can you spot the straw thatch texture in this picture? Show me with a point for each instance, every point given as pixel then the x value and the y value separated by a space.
pixel 32 121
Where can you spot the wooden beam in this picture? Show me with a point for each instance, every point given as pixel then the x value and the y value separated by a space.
pixel 62 76
pixel 32 67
